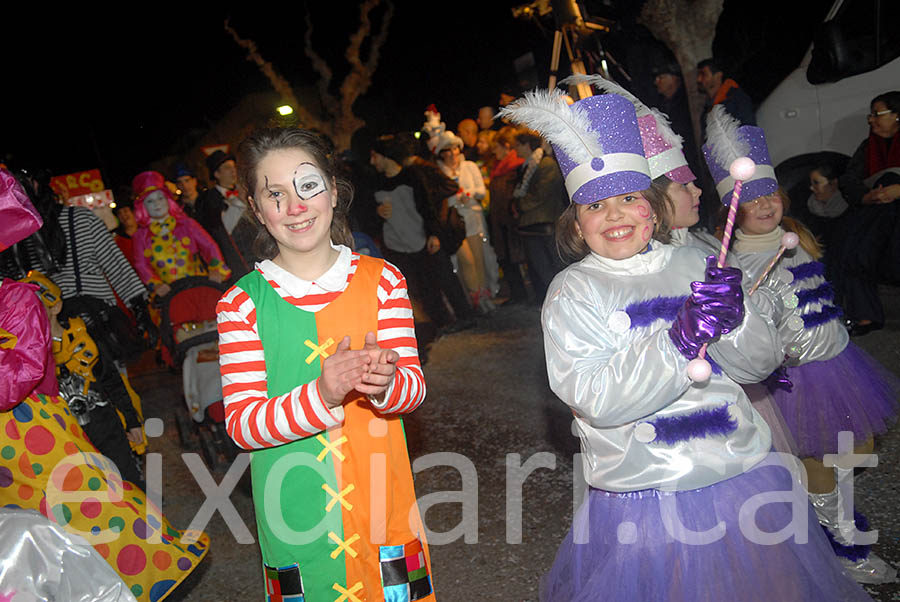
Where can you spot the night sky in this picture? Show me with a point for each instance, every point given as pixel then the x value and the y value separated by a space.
pixel 90 90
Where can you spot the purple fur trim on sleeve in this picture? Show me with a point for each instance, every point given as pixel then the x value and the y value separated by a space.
pixel 810 269
pixel 851 552
pixel 823 292
pixel 705 423
pixel 828 313
pixel 644 313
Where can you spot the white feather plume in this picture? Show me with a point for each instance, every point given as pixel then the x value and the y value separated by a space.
pixel 664 127
pixel 564 126
pixel 609 87
pixel 725 144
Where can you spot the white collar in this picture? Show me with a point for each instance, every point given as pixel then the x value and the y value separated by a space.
pixel 333 280
pixel 649 262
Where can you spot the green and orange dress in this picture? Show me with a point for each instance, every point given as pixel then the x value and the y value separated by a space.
pixel 335 505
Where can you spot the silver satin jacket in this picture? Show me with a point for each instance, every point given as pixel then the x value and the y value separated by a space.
pixel 810 325
pixel 642 422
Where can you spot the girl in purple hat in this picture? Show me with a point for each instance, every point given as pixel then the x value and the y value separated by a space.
pixel 834 385
pixel 677 470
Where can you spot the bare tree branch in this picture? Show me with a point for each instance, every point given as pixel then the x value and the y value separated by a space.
pixel 320 66
pixel 281 85
pixel 360 77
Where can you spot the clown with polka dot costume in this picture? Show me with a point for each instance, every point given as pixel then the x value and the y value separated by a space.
pixel 47 463
pixel 169 245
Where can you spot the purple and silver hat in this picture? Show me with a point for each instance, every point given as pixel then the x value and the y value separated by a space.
pixel 596 140
pixel 727 140
pixel 662 146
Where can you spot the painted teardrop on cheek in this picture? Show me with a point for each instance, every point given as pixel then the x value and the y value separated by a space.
pixel 646 233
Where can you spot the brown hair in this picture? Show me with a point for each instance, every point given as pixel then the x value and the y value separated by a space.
pixel 254 149
pixel 506 136
pixel 572 247
pixel 658 197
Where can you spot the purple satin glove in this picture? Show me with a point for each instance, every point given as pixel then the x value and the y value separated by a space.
pixel 778 380
pixel 726 274
pixel 722 302
pixel 715 307
pixel 692 328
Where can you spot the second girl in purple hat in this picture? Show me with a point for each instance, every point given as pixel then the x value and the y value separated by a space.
pixel 678 470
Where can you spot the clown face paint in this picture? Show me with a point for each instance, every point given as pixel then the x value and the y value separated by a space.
pixel 156 204
pixel 291 204
pixel 308 181
pixel 618 227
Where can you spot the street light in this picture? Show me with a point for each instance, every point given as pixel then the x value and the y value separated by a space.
pixel 285 110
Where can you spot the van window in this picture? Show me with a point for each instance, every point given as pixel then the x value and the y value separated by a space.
pixel 862 37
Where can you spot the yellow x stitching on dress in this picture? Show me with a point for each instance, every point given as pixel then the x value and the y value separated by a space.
pixel 330 447
pixel 343 546
pixel 318 349
pixel 338 497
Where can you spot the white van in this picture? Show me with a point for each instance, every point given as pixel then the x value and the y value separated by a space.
pixel 818 113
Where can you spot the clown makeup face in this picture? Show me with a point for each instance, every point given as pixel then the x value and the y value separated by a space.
pixel 618 227
pixel 293 201
pixel 760 216
pixel 685 200
pixel 156 204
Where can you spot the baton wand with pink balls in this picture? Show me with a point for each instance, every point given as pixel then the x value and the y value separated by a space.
pixel 727 148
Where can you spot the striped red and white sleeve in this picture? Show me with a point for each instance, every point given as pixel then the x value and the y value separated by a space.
pixel 252 418
pixel 396 330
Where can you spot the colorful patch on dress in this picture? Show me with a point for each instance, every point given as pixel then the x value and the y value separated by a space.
pixel 284 584
pixel 404 572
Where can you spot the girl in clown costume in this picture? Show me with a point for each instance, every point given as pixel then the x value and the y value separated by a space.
pixel 169 245
pixel 48 464
pixel 319 361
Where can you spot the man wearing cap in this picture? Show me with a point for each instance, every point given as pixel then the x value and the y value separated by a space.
pixel 221 211
pixel 409 196
pixel 673 102
pixel 190 189
pixel 718 89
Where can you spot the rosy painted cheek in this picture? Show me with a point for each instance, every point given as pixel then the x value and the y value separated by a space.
pixel 643 211
pixel 646 233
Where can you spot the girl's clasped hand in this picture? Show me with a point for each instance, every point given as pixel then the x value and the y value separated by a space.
pixel 369 370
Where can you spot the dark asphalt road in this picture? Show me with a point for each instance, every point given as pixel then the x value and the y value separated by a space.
pixel 488 413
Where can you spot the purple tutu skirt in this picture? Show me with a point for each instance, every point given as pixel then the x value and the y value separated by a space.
pixel 621 546
pixel 850 392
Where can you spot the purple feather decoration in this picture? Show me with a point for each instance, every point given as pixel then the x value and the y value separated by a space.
pixel 823 292
pixel 810 269
pixel 828 313
pixel 705 423
pixel 644 313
